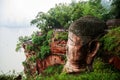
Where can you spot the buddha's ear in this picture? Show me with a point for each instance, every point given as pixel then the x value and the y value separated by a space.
pixel 93 48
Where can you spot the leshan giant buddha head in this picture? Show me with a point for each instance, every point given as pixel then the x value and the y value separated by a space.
pixel 82 44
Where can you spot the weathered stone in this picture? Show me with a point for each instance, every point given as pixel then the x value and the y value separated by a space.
pixel 115 61
pixel 82 44
pixel 58 47
pixel 51 60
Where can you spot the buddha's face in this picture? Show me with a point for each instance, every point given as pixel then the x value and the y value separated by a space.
pixel 74 47
pixel 79 54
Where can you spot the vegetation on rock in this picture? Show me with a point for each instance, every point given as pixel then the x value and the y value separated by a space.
pixel 111 41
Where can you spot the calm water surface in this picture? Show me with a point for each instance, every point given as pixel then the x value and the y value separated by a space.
pixel 9 59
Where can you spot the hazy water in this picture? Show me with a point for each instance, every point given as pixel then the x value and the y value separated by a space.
pixel 9 59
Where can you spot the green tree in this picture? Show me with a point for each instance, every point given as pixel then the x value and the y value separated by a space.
pixel 76 10
pixel 115 9
pixel 94 8
pixel 61 14
pixel 57 17
pixel 43 21
pixel 21 41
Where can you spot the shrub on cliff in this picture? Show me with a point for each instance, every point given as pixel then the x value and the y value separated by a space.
pixel 61 36
pixel 111 41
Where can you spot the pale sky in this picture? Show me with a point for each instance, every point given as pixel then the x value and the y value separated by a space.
pixel 21 12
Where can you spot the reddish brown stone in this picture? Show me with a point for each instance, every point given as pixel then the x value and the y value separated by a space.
pixel 51 60
pixel 58 47
pixel 115 60
pixel 82 45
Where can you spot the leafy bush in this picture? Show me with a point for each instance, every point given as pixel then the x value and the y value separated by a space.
pixel 111 41
pixel 21 41
pixel 102 71
pixel 49 34
pixel 82 76
pixel 44 51
pixel 30 48
pixel 37 40
pixel 61 35
pixel 7 77
pixel 101 67
pixel 32 59
pixel 53 70
pixel 115 9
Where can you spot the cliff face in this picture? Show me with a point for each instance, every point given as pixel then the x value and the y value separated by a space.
pixel 58 47
pixel 115 61
pixel 58 43
pixel 50 60
pixel 33 64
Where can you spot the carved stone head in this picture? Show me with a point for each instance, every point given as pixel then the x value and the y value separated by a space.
pixel 82 44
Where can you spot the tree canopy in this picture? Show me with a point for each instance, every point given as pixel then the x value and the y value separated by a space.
pixel 62 15
pixel 115 9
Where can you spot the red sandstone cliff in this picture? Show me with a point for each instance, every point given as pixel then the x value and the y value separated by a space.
pixel 58 47
pixel 57 50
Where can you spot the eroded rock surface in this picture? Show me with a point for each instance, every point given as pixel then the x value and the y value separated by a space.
pixel 115 61
pixel 58 47
pixel 33 64
pixel 51 60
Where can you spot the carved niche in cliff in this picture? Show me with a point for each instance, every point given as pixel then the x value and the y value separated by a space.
pixel 82 44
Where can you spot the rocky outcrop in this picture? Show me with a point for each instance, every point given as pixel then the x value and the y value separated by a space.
pixel 51 60
pixel 115 61
pixel 29 64
pixel 58 47
pixel 33 64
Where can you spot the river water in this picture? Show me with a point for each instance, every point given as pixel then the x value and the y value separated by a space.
pixel 10 60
